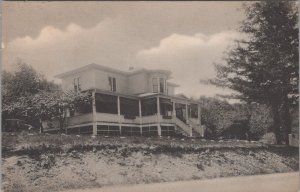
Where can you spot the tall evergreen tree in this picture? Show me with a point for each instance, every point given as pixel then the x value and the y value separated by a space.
pixel 263 67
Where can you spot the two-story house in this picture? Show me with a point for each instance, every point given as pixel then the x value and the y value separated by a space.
pixel 136 102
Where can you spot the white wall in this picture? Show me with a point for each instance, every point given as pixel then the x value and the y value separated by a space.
pixel 101 81
pixel 86 81
pixel 171 90
pixel 133 84
pixel 138 83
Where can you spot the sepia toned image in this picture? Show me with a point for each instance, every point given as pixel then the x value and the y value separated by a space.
pixel 130 96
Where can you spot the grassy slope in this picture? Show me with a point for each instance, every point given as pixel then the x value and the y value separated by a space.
pixel 56 162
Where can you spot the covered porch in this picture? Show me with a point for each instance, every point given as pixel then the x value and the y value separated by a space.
pixel 114 114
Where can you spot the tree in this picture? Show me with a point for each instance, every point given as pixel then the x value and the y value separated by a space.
pixel 48 106
pixel 28 95
pixel 25 81
pixel 216 115
pixel 260 120
pixel 263 68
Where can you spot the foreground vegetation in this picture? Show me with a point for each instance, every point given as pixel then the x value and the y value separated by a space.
pixel 35 143
pixel 38 162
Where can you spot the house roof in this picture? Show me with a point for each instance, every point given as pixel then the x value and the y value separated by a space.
pixel 109 69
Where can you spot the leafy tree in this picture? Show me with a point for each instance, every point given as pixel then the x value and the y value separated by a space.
pixel 263 68
pixel 216 115
pixel 238 120
pixel 25 81
pixel 260 120
pixel 48 106
pixel 28 95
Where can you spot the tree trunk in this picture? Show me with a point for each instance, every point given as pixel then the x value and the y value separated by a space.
pixel 276 123
pixel 286 120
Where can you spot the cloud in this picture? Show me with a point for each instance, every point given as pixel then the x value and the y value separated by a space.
pixel 139 36
pixel 55 50
pixel 190 58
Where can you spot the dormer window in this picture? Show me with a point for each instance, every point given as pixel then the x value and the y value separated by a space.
pixel 112 84
pixel 76 83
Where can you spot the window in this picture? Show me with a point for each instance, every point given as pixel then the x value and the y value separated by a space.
pixel 112 84
pixel 155 85
pixel 158 85
pixel 161 85
pixel 76 83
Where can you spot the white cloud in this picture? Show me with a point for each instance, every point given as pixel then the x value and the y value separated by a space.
pixel 55 50
pixel 190 58
pixel 112 42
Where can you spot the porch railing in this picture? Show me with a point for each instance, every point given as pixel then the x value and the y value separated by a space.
pixel 84 118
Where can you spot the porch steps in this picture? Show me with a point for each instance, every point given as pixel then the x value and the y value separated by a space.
pixel 184 128
pixel 196 132
pixel 188 129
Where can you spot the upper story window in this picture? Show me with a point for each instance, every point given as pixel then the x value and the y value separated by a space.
pixel 76 83
pixel 112 84
pixel 162 83
pixel 155 85
pixel 158 85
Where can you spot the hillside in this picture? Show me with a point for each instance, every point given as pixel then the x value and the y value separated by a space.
pixel 57 162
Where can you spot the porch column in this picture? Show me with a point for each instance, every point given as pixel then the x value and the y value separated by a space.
pixel 187 117
pixel 199 114
pixel 158 117
pixel 140 110
pixel 140 115
pixel 174 110
pixel 199 120
pixel 159 129
pixel 186 111
pixel 158 106
pixel 119 113
pixel 119 109
pixel 94 113
pixel 158 91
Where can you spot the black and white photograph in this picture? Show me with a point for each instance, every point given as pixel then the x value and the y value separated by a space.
pixel 150 96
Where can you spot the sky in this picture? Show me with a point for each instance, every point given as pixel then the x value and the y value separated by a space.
pixel 186 38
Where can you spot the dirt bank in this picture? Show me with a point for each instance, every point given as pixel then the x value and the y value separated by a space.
pixel 44 167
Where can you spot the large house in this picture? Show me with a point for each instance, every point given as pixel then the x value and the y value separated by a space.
pixel 135 102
